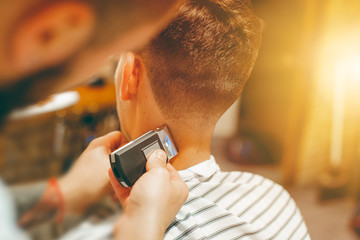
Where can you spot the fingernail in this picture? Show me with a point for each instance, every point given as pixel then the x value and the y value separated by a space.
pixel 160 154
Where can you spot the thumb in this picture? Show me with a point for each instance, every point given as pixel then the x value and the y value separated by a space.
pixel 157 159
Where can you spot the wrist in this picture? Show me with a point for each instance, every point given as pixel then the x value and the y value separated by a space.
pixel 127 227
pixel 58 198
pixel 73 197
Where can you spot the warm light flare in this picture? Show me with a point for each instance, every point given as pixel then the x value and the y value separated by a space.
pixel 353 68
pixel 339 82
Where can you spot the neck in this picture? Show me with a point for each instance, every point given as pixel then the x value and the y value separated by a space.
pixel 190 157
pixel 192 149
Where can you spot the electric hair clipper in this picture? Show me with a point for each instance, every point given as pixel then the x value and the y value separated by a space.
pixel 129 161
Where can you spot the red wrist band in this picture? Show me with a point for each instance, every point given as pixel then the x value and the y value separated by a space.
pixel 53 183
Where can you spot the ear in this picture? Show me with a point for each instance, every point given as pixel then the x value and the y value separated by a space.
pixel 51 33
pixel 128 76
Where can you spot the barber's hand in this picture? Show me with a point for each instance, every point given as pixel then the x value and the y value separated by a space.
pixel 152 202
pixel 87 181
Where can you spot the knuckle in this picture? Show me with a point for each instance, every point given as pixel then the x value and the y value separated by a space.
pixel 161 172
pixel 94 142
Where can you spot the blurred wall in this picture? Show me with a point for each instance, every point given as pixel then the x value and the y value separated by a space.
pixel 332 130
pixel 288 104
pixel 274 103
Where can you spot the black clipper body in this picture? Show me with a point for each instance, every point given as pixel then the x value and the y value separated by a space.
pixel 129 161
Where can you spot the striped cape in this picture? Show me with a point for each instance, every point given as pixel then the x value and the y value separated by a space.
pixel 235 205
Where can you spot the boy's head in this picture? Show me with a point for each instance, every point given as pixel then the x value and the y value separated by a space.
pixel 192 72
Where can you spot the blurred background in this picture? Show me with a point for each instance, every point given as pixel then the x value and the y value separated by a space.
pixel 297 122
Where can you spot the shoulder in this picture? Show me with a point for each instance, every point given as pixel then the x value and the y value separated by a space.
pixel 8 228
pixel 240 204
pixel 6 205
pixel 235 187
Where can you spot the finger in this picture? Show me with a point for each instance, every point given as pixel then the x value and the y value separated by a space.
pixel 156 159
pixel 177 182
pixel 174 175
pixel 121 192
pixel 112 140
pixel 26 219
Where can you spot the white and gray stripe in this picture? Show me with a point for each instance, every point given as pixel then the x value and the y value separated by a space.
pixel 235 205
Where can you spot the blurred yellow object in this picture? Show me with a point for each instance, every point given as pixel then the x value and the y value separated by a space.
pixel 331 134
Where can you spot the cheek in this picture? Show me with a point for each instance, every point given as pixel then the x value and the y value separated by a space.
pixel 120 112
pixel 124 117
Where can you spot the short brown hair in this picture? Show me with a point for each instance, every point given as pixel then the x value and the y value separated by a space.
pixel 201 61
